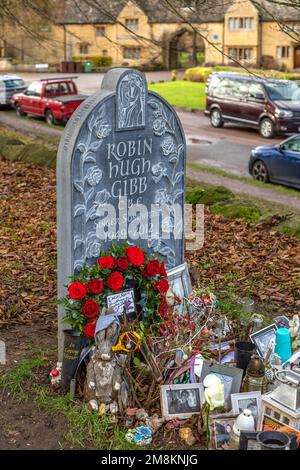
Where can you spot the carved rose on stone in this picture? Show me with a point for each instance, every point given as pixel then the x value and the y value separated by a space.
pixel 102 197
pixel 93 248
pixel 159 126
pixel 94 175
pixel 158 171
pixel 103 128
pixel 161 196
pixel 168 146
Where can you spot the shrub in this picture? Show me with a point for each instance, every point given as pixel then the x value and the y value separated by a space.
pixel 97 60
pixel 198 74
pixel 209 196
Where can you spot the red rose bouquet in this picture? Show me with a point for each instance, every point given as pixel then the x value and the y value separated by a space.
pixel 88 290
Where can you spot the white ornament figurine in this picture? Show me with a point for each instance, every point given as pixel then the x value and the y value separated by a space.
pixel 213 391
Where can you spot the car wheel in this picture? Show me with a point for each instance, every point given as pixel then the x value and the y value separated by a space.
pixel 216 118
pixel 50 119
pixel 260 172
pixel 266 128
pixel 19 111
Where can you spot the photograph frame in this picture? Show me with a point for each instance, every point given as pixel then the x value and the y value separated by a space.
pixel 255 336
pixel 223 418
pixel 247 437
pixel 180 277
pixel 222 369
pixel 165 406
pixel 246 395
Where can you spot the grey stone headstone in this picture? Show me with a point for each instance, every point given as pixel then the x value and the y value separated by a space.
pixel 122 141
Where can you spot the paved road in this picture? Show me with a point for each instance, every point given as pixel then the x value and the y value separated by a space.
pixel 227 149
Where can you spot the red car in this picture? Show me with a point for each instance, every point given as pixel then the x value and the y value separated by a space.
pixel 55 99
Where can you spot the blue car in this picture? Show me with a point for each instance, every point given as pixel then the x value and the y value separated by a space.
pixel 277 163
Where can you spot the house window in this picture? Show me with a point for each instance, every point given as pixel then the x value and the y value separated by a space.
pixel 83 49
pixel 132 53
pixel 105 52
pixel 241 53
pixel 236 24
pixel 100 31
pixel 285 420
pixel 283 52
pixel 132 24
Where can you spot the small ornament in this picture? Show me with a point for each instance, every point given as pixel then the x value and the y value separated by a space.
pixel 186 435
pixel 213 391
pixel 55 376
pixel 141 436
pixel 93 405
pixel 255 378
pixel 141 414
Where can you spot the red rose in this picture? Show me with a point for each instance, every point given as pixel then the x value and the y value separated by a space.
pixel 115 281
pixel 89 329
pixel 77 290
pixel 152 268
pixel 135 255
pixel 106 262
pixel 163 307
pixel 122 264
pixel 161 286
pixel 96 286
pixel 163 271
pixel 90 309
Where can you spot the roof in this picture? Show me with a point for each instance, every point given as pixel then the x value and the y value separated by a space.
pixel 164 11
pixel 157 11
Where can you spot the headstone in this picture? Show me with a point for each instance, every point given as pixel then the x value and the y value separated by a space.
pixel 120 168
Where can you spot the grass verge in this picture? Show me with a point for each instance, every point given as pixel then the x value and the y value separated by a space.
pixel 222 201
pixel 84 427
pixel 182 94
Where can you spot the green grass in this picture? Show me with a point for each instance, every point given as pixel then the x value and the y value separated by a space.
pixel 276 187
pixel 83 427
pixel 182 94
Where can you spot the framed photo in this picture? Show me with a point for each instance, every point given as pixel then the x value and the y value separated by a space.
pixel 271 424
pixel 262 339
pixel 122 302
pixel 181 401
pixel 249 400
pixel 180 282
pixel 248 441
pixel 220 429
pixel 231 377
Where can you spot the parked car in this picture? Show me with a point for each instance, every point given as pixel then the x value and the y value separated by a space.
pixel 272 106
pixel 9 85
pixel 277 163
pixel 56 99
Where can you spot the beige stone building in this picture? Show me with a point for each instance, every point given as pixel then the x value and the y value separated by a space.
pixel 150 33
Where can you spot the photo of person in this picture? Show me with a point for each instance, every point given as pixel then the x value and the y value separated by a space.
pixel 263 338
pixel 183 401
pixel 222 428
pixel 248 400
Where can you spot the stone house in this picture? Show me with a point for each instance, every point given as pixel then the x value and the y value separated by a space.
pixel 147 33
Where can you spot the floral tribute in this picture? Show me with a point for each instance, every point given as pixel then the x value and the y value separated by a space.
pixel 89 289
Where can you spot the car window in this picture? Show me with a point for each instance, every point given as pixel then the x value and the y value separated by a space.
pixel 52 88
pixel 14 83
pixel 34 89
pixel 256 91
pixel 283 91
pixel 71 87
pixel 292 145
pixel 234 88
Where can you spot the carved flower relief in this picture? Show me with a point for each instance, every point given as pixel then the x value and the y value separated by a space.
pixel 158 171
pixel 162 196
pixel 102 128
pixel 102 197
pixel 94 175
pixel 159 126
pixel 93 248
pixel 168 146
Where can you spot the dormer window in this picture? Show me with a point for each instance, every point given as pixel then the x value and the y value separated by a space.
pixel 132 24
